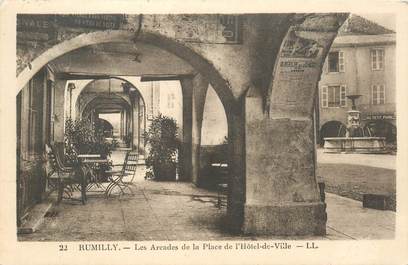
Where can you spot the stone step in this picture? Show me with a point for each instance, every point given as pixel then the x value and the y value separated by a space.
pixel 34 218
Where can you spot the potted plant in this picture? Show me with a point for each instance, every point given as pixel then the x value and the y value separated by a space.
pixel 162 140
pixel 82 137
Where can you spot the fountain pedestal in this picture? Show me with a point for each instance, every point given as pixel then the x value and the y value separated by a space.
pixel 361 145
pixel 355 140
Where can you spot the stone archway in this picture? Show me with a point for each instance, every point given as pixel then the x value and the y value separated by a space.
pixel 332 129
pixel 206 73
pixel 382 128
pixel 273 189
pixel 123 97
pixel 199 62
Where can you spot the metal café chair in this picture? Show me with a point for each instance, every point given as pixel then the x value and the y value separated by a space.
pixel 128 170
pixel 67 178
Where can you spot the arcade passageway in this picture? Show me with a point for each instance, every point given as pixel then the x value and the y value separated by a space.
pixel 263 69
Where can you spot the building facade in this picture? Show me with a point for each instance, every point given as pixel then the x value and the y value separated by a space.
pixel 360 62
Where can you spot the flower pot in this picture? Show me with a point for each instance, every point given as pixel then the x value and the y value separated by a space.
pixel 165 172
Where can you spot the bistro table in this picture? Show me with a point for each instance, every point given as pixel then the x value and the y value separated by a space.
pixel 90 161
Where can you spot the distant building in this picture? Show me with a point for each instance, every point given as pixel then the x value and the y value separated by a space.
pixel 165 97
pixel 361 61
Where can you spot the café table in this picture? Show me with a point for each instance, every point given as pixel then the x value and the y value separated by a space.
pixel 90 161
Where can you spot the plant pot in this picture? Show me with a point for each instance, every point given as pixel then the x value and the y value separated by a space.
pixel 166 172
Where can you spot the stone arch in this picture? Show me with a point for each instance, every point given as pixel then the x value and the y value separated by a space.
pixel 203 67
pixel 94 100
pixel 332 129
pixel 382 128
pixel 124 98
pixel 299 65
pixel 198 61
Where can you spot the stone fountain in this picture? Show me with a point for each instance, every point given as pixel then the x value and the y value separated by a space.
pixel 357 138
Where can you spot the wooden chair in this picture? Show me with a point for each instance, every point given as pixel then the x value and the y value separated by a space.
pixel 67 178
pixel 128 170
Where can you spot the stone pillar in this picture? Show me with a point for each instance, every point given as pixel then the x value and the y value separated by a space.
pixel 185 148
pixel 135 122
pixel 127 126
pixel 121 125
pixel 282 195
pixel 236 166
pixel 200 86
pixel 194 93
pixel 59 120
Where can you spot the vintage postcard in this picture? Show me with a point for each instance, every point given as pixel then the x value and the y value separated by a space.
pixel 155 132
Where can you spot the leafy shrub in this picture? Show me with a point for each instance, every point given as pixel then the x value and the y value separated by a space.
pixel 162 140
pixel 82 137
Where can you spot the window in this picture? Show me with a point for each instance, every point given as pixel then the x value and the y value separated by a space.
pixel 170 100
pixel 377 59
pixel 336 61
pixel 378 94
pixel 333 96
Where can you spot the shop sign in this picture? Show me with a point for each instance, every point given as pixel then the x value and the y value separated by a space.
pixel 379 116
pixel 91 21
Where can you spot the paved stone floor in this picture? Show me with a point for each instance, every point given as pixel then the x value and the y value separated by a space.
pixel 180 211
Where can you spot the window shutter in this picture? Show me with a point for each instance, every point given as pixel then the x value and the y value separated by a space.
pixel 374 94
pixel 382 94
pixel 324 98
pixel 341 62
pixel 380 59
pixel 343 94
pixel 373 59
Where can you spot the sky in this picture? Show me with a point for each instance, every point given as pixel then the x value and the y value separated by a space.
pixel 386 20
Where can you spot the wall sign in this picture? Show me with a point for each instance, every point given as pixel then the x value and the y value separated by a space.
pixel 379 116
pixel 222 29
pixel 97 21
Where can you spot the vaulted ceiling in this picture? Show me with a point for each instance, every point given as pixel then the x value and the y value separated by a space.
pixel 120 59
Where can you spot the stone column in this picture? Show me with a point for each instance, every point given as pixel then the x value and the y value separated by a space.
pixel 135 122
pixel 121 124
pixel 200 86
pixel 236 167
pixel 282 195
pixel 194 93
pixel 128 130
pixel 185 148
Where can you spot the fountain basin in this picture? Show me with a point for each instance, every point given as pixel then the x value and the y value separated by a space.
pixel 361 145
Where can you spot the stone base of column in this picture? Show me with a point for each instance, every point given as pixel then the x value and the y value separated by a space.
pixel 234 218
pixel 297 219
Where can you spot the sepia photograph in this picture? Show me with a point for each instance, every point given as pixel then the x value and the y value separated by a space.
pixel 239 130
